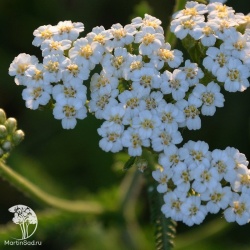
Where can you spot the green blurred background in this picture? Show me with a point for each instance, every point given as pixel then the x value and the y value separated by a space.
pixel 70 164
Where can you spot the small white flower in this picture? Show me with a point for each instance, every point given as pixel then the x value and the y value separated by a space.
pixel 237 44
pixel 50 47
pixel 53 67
pixel 122 35
pixel 146 122
pixel 133 141
pixel 216 58
pixel 149 40
pixel 191 111
pixel 235 77
pixel 225 26
pixel 210 96
pixel 172 205
pixel 182 177
pixel 193 211
pixel 174 83
pixel 133 63
pixel 111 140
pixel 35 75
pixel 173 58
pixel 115 64
pixel 204 179
pixel 86 53
pixel 242 179
pixel 101 36
pixel 114 115
pixel 103 82
pixel 170 157
pixel 69 90
pixel 68 111
pixel 170 115
pixel 162 176
pixel 224 165
pixel 35 95
pixel 99 102
pixel 191 10
pixel 238 210
pixel 19 66
pixel 183 26
pixel 145 79
pixel 163 139
pixel 206 33
pixel 68 30
pixel 195 154
pixel 193 72
pixel 217 198
pixel 148 21
pixel 132 101
pixel 153 101
pixel 74 73
pixel 43 33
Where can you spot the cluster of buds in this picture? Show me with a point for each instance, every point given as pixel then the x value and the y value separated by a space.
pixel 9 135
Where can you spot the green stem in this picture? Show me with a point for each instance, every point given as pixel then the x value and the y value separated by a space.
pixel 129 192
pixel 170 37
pixel 42 197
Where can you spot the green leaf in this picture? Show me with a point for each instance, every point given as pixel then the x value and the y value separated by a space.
pixel 165 228
pixel 129 163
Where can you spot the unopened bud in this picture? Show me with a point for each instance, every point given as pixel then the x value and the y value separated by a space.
pixel 6 146
pixel 2 116
pixel 3 132
pixel 17 137
pixel 11 125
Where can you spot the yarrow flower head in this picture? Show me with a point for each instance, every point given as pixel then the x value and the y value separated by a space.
pixel 145 92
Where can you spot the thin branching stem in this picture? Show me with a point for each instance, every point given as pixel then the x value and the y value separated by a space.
pixel 41 196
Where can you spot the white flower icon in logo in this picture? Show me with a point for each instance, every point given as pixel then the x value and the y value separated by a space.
pixel 24 217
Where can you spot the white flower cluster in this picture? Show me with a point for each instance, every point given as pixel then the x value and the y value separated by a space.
pixel 145 91
pixel 193 181
pixel 226 33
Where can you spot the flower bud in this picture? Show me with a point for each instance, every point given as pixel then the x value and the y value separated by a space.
pixel 17 137
pixel 11 125
pixel 6 146
pixel 3 132
pixel 2 116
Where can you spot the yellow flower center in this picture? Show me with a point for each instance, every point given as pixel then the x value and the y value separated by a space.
pixel 73 69
pixel 191 111
pixel 166 54
pixel 148 38
pixel 119 33
pixel 52 66
pixel 86 51
pixel 100 39
pixel 38 75
pixel 69 111
pixel 208 98
pixel 190 12
pixel 46 34
pixel 234 74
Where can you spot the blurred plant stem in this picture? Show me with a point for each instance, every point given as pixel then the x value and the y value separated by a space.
pixel 130 190
pixel 170 37
pixel 40 196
